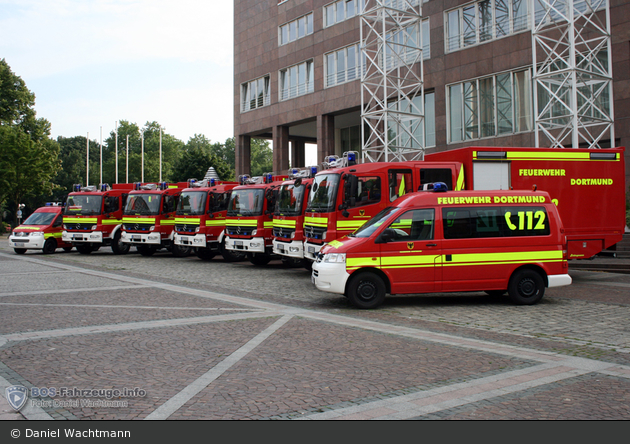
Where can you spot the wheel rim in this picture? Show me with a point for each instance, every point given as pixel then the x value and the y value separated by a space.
pixel 527 288
pixel 366 291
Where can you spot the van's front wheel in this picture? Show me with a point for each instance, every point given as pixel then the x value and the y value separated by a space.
pixel 366 290
pixel 526 287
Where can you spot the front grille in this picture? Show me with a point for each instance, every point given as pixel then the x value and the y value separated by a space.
pixel 137 227
pixel 283 232
pixel 186 228
pixel 79 227
pixel 239 231
pixel 20 240
pixel 314 232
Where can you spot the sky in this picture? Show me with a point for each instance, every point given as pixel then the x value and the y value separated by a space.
pixel 91 63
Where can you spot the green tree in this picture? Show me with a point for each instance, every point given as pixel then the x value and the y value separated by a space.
pixel 261 155
pixel 28 157
pixel 72 154
pixel 197 157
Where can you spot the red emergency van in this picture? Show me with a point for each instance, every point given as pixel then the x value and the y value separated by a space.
pixel 431 241
pixel 40 231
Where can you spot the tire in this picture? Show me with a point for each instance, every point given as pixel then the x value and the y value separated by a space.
pixel 96 247
pixel 259 258
pixel 67 248
pixel 181 251
pixel 49 246
pixel 366 290
pixel 118 246
pixel 146 251
pixel 308 264
pixel 205 254
pixel 84 249
pixel 232 256
pixel 19 250
pixel 526 287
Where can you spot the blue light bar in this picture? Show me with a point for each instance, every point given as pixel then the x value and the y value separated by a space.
pixel 212 182
pixel 439 187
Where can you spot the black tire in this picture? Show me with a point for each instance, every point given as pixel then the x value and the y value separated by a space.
pixel 84 249
pixel 205 254
pixel 95 247
pixel 259 258
pixel 118 246
pixel 526 287
pixel 181 250
pixel 230 255
pixel 19 250
pixel 495 293
pixel 49 246
pixel 366 290
pixel 146 251
pixel 67 248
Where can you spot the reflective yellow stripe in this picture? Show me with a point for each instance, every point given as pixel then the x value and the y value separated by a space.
pixel 146 220
pixel 242 222
pixel 558 154
pixel 188 220
pixel 268 224
pixel 460 180
pixel 87 220
pixel 30 228
pixel 284 223
pixel 316 221
pixel 503 258
pixel 167 222
pixel 356 262
pixel 47 235
pixel 111 221
pixel 349 224
pixel 215 223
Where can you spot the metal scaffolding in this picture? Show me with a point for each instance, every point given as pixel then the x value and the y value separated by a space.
pixel 392 94
pixel 572 72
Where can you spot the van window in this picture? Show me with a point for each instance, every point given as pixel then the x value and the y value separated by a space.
pixel 368 191
pixel 414 225
pixel 462 223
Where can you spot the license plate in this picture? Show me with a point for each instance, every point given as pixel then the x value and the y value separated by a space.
pixel 19 244
pixel 280 247
pixel 136 237
pixel 238 243
pixel 74 236
pixel 311 249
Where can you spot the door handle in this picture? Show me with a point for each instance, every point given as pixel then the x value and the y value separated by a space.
pixel 431 245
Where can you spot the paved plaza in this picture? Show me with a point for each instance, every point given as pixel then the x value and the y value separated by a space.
pixel 216 340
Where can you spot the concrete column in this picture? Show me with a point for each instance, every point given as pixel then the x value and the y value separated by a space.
pixel 242 155
pixel 297 154
pixel 280 149
pixel 325 137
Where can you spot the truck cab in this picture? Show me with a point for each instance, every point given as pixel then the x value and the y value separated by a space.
pixel 93 217
pixel 149 218
pixel 40 231
pixel 200 218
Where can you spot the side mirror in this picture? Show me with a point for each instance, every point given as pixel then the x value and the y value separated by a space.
pixel 297 182
pixel 386 236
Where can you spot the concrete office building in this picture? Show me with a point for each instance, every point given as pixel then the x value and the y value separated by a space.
pixel 297 75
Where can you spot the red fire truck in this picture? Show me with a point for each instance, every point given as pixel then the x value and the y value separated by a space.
pixel 149 218
pixel 200 218
pixel 249 224
pixel 93 217
pixel 40 231
pixel 288 217
pixel 587 185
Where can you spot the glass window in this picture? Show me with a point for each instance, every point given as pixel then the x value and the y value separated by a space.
pixel 486 106
pixel 414 225
pixel 469 21
pixel 455 113
pixel 485 20
pixel 504 103
pixel 330 15
pixel 368 191
pixel 296 29
pixel 255 94
pixel 400 183
pixel 453 30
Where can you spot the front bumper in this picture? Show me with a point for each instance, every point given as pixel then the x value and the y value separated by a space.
pixel 293 249
pixel 330 277
pixel 197 240
pixel 153 238
pixel 28 243
pixel 311 250
pixel 254 245
pixel 88 237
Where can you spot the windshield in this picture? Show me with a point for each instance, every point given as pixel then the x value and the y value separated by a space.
pixel 372 225
pixel 143 204
pixel 323 195
pixel 40 219
pixel 290 200
pixel 83 204
pixel 246 202
pixel 192 203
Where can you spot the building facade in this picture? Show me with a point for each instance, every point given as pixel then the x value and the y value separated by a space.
pixel 297 70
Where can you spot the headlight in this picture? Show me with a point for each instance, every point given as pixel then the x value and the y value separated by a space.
pixel 324 235
pixel 335 257
pixel 255 232
pixel 293 235
pixel 197 229
pixel 37 233
pixel 152 227
pixel 93 227
pixel 65 227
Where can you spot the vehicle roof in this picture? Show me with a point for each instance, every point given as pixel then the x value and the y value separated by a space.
pixel 431 197
pixel 49 209
pixel 369 167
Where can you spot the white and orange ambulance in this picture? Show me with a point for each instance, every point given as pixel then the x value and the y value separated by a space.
pixel 450 241
pixel 41 231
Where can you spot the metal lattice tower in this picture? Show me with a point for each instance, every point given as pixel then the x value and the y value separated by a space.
pixel 392 94
pixel 572 73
